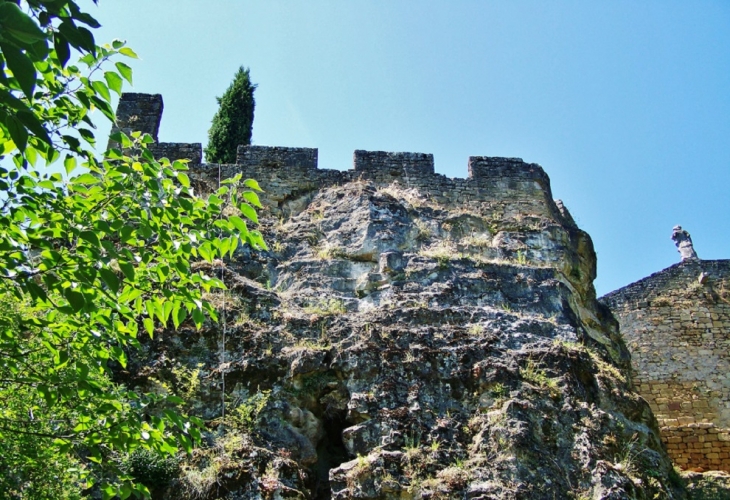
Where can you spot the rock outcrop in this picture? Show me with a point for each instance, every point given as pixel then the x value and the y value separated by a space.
pixel 391 347
pixel 408 336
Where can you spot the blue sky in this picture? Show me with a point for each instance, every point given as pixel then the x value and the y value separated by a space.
pixel 625 104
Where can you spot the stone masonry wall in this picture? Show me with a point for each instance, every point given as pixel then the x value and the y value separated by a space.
pixel 511 187
pixel 678 331
pixel 143 113
pixel 178 151
pixel 139 112
pixel 277 157
pixel 518 188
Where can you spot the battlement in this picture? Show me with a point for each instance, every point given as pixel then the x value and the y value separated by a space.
pixel 523 188
pixel 143 113
pixel 139 112
pixel 277 157
pixel 402 163
pixel 484 167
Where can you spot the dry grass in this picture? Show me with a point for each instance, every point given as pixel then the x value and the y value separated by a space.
pixel 483 240
pixel 410 195
pixel 329 252
pixel 328 307
pixel 442 251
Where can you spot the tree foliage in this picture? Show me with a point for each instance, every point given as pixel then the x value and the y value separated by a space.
pixel 90 260
pixel 233 122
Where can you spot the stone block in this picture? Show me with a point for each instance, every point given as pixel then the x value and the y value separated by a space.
pixel 391 262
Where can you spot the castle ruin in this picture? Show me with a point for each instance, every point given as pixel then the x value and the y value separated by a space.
pixel 675 324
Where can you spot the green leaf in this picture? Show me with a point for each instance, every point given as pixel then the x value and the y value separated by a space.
pixel 176 307
pixel 31 122
pixel 125 71
pixel 110 278
pixel 12 101
pixel 186 443
pixel 21 66
pixel 39 50
pixel 128 52
pixel 104 107
pixel 108 491
pixel 69 163
pixel 85 179
pixel 248 211
pixel 238 223
pixel 234 243
pixel 149 325
pixel 184 180
pixel 61 359
pixel 205 251
pixel 75 299
pixel 48 394
pixel 167 308
pixel 79 38
pixel 198 318
pixel 128 270
pixel 257 240
pixel 251 183
pixel 36 291
pixel 17 25
pixel 101 88
pixel 82 16
pixel 114 81
pixel 91 237
pixel 118 354
pixel 252 198
pixel 17 132
pixel 63 52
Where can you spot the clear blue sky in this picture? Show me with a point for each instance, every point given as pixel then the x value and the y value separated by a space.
pixel 625 104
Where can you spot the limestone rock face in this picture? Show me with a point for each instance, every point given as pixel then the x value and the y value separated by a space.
pixel 389 346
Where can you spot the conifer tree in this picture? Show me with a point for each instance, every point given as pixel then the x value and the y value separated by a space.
pixel 233 122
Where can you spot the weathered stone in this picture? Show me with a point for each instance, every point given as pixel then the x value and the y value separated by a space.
pixel 684 363
pixel 395 348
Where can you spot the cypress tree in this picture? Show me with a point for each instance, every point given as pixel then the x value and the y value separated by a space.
pixel 233 122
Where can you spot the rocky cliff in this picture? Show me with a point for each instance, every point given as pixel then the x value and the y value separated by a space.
pixel 406 336
pixel 393 346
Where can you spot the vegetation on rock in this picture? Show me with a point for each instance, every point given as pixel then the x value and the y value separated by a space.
pixel 386 370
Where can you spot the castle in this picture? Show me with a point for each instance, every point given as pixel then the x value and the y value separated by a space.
pixel 676 322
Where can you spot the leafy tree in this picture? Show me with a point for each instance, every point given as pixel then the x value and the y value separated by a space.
pixel 89 261
pixel 233 122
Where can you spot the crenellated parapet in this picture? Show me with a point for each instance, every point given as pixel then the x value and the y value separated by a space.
pixel 515 188
pixel 143 113
pixel 139 112
pixel 492 167
pixel 178 151
pixel 277 157
pixel 399 164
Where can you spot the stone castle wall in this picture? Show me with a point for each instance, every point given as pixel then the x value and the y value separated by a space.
pixel 143 113
pixel 678 331
pixel 284 173
pixel 513 187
